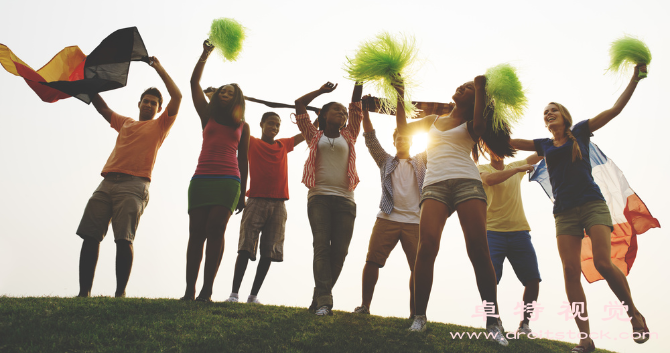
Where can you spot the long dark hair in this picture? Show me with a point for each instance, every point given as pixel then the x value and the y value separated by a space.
pixel 493 142
pixel 231 114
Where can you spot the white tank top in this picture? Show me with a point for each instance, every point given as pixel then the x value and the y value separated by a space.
pixel 449 155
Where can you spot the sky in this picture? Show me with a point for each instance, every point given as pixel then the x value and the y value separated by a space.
pixel 52 154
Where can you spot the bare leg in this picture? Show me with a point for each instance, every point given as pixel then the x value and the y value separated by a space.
pixel 217 220
pixel 570 250
pixel 412 305
pixel 194 252
pixel 124 264
pixel 88 260
pixel 240 268
pixel 262 270
pixel 602 258
pixel 433 217
pixel 472 215
pixel 530 294
pixel 370 277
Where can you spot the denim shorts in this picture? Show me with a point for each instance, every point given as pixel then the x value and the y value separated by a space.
pixel 518 249
pixel 577 220
pixel 451 192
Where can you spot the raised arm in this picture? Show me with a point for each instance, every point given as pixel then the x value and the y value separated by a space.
pixel 173 90
pixel 412 128
pixel 102 107
pixel 242 162
pixel 199 100
pixel 478 122
pixel 355 111
pixel 299 137
pixel 302 102
pixel 603 118
pixel 491 179
pixel 367 123
pixel 523 145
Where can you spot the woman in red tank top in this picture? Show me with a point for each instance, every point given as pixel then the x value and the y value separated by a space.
pixel 220 180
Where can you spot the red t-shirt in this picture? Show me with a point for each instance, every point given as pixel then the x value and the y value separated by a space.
pixel 268 169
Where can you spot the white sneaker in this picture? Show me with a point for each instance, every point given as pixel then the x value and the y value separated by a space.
pixel 495 334
pixel 232 299
pixel 362 310
pixel 524 329
pixel 419 324
pixel 253 300
pixel 324 311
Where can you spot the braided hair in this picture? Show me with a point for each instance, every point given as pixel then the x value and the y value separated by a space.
pixel 576 151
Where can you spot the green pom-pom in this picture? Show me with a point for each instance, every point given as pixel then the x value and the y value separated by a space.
pixel 505 89
pixel 227 36
pixel 627 52
pixel 385 61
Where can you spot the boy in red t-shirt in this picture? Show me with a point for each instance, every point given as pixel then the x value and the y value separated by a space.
pixel 264 211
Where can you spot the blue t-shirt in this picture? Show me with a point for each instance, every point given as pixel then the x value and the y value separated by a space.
pixel 571 182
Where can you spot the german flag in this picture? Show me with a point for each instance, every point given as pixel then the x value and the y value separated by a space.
pixel 72 74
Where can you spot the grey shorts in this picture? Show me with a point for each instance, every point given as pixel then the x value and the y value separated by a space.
pixel 451 192
pixel 578 220
pixel 267 216
pixel 121 199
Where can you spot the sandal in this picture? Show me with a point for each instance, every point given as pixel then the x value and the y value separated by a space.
pixel 643 333
pixel 582 349
pixel 187 299
pixel 203 300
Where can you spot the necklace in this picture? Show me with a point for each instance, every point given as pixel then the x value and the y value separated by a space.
pixel 331 143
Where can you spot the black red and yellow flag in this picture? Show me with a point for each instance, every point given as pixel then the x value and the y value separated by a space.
pixel 72 74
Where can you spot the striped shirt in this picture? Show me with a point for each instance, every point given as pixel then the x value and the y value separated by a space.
pixel 387 164
pixel 312 136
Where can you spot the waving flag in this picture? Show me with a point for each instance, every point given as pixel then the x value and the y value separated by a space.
pixel 630 215
pixel 72 74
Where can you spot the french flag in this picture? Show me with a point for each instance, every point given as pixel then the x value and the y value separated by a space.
pixel 630 215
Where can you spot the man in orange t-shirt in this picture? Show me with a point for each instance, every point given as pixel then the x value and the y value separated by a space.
pixel 123 194
pixel 265 211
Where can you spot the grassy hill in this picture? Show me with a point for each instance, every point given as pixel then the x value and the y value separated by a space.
pixel 165 325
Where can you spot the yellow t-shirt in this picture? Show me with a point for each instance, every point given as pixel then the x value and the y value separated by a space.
pixel 137 144
pixel 505 209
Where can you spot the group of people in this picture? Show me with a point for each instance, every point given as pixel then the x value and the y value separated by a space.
pixel 419 193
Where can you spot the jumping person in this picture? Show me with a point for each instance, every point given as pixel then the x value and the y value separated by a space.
pixel 219 184
pixel 507 229
pixel 398 219
pixel 579 207
pixel 265 210
pixel 124 192
pixel 453 183
pixel 330 174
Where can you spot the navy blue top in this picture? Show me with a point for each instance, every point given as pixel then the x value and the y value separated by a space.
pixel 571 182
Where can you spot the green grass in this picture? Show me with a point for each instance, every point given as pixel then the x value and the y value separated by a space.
pixel 164 325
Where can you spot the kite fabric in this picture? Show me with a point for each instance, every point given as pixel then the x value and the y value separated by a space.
pixel 72 74
pixel 630 216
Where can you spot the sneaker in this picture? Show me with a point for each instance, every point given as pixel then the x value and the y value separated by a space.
pixel 324 310
pixel 523 329
pixel 362 310
pixel 495 334
pixel 232 299
pixel 253 300
pixel 419 324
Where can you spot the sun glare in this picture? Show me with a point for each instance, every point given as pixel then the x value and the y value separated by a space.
pixel 419 143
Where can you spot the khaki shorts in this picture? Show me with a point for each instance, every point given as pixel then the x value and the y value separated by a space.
pixel 121 199
pixel 269 217
pixel 581 218
pixel 385 236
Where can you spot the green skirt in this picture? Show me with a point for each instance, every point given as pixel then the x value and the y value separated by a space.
pixel 213 192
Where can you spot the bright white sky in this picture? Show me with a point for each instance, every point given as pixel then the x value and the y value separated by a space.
pixel 52 154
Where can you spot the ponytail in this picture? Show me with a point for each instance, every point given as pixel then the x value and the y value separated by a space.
pixel 576 151
pixel 493 142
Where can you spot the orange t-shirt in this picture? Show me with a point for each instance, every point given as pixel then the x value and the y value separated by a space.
pixel 268 169
pixel 137 144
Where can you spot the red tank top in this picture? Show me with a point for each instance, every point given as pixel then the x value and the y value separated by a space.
pixel 219 150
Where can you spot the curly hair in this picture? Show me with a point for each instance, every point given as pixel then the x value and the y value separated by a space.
pixel 231 114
